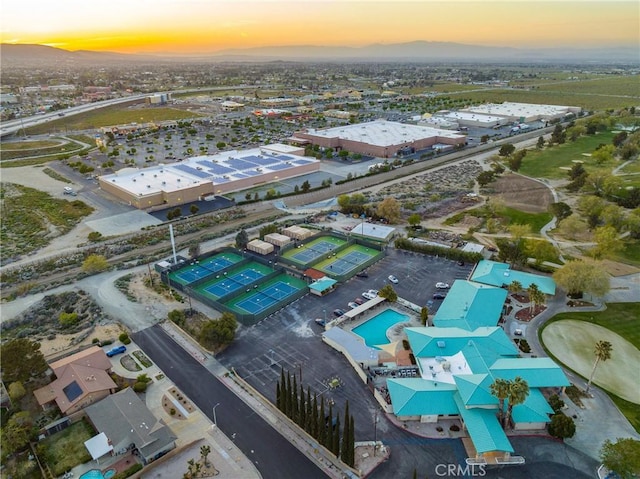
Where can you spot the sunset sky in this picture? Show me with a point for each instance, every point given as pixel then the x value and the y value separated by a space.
pixel 199 26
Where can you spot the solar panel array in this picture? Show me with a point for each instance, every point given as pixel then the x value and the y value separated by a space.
pixel 192 171
pixel 231 169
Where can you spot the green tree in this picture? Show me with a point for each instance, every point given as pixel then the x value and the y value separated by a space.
pixel 193 209
pixel 622 457
pixel 514 287
pixel 267 229
pixel 561 426
pixel 16 433
pixel 220 145
pixel 414 220
pixel 603 154
pixel 518 392
pixel 389 209
pixel 16 391
pixel 506 149
pixel 242 239
pixel 534 294
pixel 306 186
pixel 21 360
pixel 389 293
pixel 218 333
pixel 591 207
pixel 485 178
pixel 540 143
pixel 583 276
pixel 560 210
pixel 556 403
pixel 95 263
pixel 602 352
pixel 424 315
pixel 500 389
pixel 607 242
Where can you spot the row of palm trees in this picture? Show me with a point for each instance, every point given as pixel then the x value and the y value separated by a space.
pixel 536 297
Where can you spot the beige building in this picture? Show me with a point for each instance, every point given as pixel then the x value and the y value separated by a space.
pixel 200 177
pixel 380 138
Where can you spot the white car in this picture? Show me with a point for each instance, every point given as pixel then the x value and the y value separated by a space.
pixel 442 285
pixel 352 305
pixel 368 295
pixel 393 279
pixel 373 292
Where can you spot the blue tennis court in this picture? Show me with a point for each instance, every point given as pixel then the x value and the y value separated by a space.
pixel 346 263
pixel 233 282
pixel 267 297
pixel 311 253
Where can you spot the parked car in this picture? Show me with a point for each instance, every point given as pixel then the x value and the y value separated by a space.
pixel 393 279
pixel 319 321
pixel 362 274
pixel 374 292
pixel 518 332
pixel 352 304
pixel 359 300
pixel 440 285
pixel 439 296
pixel 368 295
pixel 115 351
pixel 339 312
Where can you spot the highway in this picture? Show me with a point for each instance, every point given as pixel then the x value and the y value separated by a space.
pixel 271 453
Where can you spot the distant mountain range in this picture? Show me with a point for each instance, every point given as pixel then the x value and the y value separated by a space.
pixel 418 51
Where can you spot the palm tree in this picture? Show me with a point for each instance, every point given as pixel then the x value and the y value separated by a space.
pixel 534 292
pixel 500 389
pixel 518 392
pixel 514 287
pixel 204 452
pixel 538 298
pixel 603 352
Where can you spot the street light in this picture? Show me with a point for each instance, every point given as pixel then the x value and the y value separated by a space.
pixel 375 433
pixel 215 421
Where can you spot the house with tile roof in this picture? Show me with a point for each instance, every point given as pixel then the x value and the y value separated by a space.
pixel 81 380
pixel 457 367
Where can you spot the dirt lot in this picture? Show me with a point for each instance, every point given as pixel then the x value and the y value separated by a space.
pixel 523 194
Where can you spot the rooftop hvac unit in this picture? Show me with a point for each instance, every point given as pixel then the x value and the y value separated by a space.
pixel 446 366
pixel 164 182
pixel 441 344
pixel 148 186
pixel 155 176
pixel 134 180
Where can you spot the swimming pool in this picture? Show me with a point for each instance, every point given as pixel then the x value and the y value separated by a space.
pixel 374 331
pixel 97 474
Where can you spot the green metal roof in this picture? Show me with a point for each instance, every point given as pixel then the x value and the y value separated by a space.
pixel 474 389
pixel 484 428
pixel 534 409
pixel 435 341
pixel 499 274
pixel 538 372
pixel 417 396
pixel 322 284
pixel 470 305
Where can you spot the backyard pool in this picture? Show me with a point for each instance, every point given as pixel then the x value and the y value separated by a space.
pixel 97 474
pixel 374 331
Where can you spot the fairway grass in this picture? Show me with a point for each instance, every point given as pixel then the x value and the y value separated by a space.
pixel 552 162
pixel 572 342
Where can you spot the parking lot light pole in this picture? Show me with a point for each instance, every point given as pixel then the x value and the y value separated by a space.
pixel 215 420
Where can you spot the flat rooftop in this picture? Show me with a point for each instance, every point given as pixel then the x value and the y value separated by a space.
pixel 383 133
pixel 471 116
pixel 224 167
pixel 512 109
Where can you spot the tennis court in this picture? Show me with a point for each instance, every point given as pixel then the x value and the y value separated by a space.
pixel 316 249
pixel 231 281
pixel 267 296
pixel 202 268
pixel 350 259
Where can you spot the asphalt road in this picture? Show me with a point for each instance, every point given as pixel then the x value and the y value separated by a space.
pixel 271 453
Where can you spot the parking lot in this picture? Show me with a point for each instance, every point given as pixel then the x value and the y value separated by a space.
pixel 290 339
